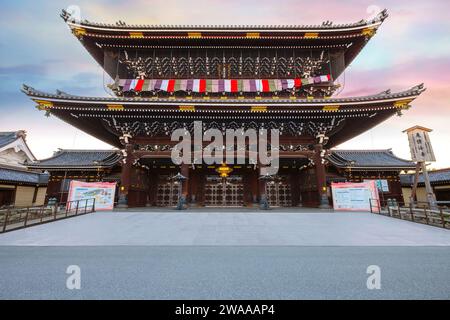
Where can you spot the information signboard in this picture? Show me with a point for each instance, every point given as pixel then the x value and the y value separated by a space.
pixel 349 196
pixel 102 192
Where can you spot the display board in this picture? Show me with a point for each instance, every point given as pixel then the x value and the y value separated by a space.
pixel 350 196
pixel 382 185
pixel 102 192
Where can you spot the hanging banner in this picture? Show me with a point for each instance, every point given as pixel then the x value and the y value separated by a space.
pixel 102 192
pixel 348 196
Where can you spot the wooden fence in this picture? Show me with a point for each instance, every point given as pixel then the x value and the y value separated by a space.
pixel 439 217
pixel 18 218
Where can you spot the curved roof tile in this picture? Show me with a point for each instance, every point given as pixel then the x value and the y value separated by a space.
pixel 367 159
pixel 88 159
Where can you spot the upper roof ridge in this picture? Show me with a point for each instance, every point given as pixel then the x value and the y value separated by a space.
pixel 69 17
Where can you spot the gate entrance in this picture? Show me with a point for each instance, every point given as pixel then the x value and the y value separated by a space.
pixel 279 192
pixel 228 192
pixel 167 192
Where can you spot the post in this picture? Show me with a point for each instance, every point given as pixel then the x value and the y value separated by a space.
pixel 442 217
pixel 415 183
pixel 422 152
pixel 411 211
pixel 93 206
pixel 26 217
pixel 6 219
pixel 42 214
pixel 431 198
pixel 426 216
pixel 76 210
pixel 125 179
pixel 85 206
pixel 321 178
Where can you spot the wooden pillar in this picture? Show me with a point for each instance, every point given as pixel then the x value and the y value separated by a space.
pixel 125 178
pixel 431 197
pixel 321 178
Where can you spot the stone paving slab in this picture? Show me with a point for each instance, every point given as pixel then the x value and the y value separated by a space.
pixel 207 227
pixel 225 272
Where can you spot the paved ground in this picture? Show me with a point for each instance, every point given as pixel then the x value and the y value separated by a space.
pixel 251 228
pixel 225 272
pixel 210 254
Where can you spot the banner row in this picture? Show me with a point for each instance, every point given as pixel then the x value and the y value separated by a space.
pixel 219 85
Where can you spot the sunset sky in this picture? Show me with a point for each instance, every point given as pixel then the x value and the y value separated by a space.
pixel 411 47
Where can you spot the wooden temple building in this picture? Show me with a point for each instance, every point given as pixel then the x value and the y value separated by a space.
pixel 229 77
pixel 19 186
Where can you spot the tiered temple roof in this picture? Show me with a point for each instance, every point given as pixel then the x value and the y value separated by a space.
pixel 354 159
pixel 108 43
pixel 225 53
pixel 111 117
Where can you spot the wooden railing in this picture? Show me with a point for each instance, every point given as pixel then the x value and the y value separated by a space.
pixel 419 212
pixel 18 218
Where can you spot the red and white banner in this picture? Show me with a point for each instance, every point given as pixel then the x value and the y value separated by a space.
pixel 219 85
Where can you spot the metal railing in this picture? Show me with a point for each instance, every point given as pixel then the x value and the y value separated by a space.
pixel 18 218
pixel 419 212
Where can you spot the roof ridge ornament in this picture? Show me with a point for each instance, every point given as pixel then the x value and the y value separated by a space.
pixel 72 14
pixel 380 17
pixel 419 88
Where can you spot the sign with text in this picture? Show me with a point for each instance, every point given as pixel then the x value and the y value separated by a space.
pixel 420 145
pixel 102 192
pixel 382 185
pixel 350 196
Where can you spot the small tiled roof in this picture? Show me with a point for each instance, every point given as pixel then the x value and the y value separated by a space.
pixel 369 159
pixel 441 176
pixel 9 175
pixel 7 138
pixel 79 159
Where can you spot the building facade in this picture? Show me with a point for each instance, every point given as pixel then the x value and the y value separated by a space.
pixel 81 165
pixel 224 77
pixel 19 186
pixel 440 182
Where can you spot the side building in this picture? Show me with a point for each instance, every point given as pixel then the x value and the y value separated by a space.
pixel 380 165
pixel 81 165
pixel 440 182
pixel 19 186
